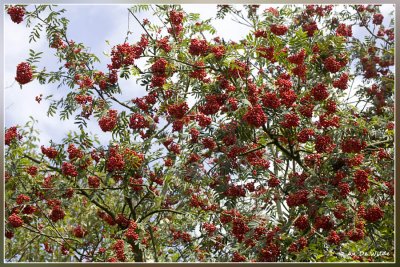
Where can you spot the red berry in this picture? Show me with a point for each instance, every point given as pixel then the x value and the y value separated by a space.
pixel 304 135
pixel 138 121
pixel 332 65
pixel 11 134
pixel 266 52
pixel 352 145
pixel 94 181
pixel 377 19
pixel 24 73
pixel 118 248
pixel 159 66
pixel 32 170
pixel 279 29
pixel 68 169
pixel 115 160
pixel 297 199
pixel 361 181
pixel 273 181
pixel 238 258
pixel 373 214
pixel 178 111
pixel 16 13
pixel 310 28
pixel 271 100
pixel 344 30
pixel 163 44
pixel 302 223
pixel 298 58
pixel 79 232
pixel 57 213
pixel 22 199
pixel 50 152
pixel 255 116
pixel 198 47
pixel 341 83
pixel 176 17
pixel 320 92
pixel 290 120
pixel 333 238
pixel 15 220
pixel 108 122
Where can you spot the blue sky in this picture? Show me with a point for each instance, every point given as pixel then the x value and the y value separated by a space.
pixel 91 25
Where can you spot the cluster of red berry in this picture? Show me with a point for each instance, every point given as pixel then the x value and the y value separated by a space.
pixel 130 233
pixel 238 258
pixel 332 65
pixel 301 223
pixel 15 221
pixel 298 245
pixel 50 152
pixel 255 116
pixel 79 232
pixel 11 134
pixel 125 54
pixel 267 52
pixel 298 58
pixel 115 160
pixel 138 121
pixel 32 170
pixel 181 235
pixel 344 30
pixel 159 66
pixel 320 92
pixel 178 111
pixel 21 198
pixel 16 13
pixel 238 69
pixel 176 19
pixel 74 152
pixel 198 47
pixel 109 121
pixel 93 181
pixel 298 198
pixel 256 159
pixel 218 51
pixel 310 28
pixel 24 73
pixel 323 144
pixel 290 120
pixel 199 72
pixel 163 43
pixel 352 145
pixel 68 169
pixel 279 29
pixel 333 238
pixel 341 83
pixel 377 19
pixel 57 213
pixel 119 248
pixel 273 181
pixel 361 180
pixel 305 134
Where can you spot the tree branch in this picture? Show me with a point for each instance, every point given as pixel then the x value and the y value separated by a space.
pixel 153 242
pixel 284 150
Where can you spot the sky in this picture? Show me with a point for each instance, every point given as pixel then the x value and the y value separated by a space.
pixel 91 25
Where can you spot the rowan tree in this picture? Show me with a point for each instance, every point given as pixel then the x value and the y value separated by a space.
pixel 275 147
